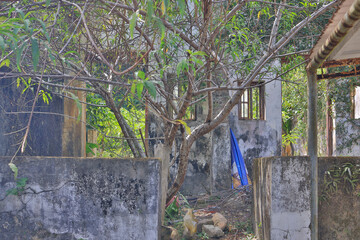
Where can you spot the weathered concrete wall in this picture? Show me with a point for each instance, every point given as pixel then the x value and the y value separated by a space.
pixel 78 198
pixel 221 158
pixel 346 129
pixel 210 159
pixel 339 216
pixel 260 138
pixel 346 141
pixel 54 129
pixel 282 201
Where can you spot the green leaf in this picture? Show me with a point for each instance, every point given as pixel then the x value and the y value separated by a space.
pixel 151 88
pixel 187 129
pixel 161 27
pixel 21 13
pixel 14 169
pixel 44 29
pixel 149 11
pixel 18 55
pixel 6 62
pixel 27 24
pixel 139 89
pixel 140 74
pixel 182 6
pixel 197 61
pixel 133 19
pixel 183 64
pixel 47 3
pixel 166 4
pixel 35 52
pixel 10 11
pixel 21 182
pixel 133 88
pixel 2 43
pixel 69 52
pixel 199 53
pixel 12 191
pixel 90 147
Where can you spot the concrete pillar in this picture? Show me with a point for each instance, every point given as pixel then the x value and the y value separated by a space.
pixel 74 128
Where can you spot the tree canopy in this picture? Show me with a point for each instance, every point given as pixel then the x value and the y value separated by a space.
pixel 165 56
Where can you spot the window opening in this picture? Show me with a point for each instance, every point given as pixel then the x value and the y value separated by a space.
pixel 356 103
pixel 252 103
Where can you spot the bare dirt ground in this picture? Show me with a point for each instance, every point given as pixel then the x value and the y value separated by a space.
pixel 234 204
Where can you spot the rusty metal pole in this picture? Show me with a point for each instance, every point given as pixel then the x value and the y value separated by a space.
pixel 312 151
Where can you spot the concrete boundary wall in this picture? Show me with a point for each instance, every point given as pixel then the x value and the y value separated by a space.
pixel 282 200
pixel 81 198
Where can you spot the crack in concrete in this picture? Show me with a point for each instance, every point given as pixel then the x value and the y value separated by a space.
pixel 34 192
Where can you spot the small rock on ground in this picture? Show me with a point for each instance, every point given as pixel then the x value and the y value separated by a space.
pixel 219 221
pixel 207 221
pixel 212 231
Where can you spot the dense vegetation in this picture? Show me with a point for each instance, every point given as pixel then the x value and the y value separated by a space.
pixel 159 56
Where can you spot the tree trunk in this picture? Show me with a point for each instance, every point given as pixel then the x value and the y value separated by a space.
pixel 182 168
pixel 131 139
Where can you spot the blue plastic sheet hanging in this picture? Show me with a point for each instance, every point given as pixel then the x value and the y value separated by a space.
pixel 239 169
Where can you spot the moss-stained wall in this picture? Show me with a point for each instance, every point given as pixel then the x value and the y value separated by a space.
pixel 209 168
pixel 79 198
pixel 282 200
pixel 339 211
pixel 346 128
pixel 260 138
pixel 54 129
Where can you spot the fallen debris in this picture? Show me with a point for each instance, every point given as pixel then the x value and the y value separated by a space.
pixel 169 233
pixel 206 221
pixel 190 223
pixel 212 231
pixel 219 221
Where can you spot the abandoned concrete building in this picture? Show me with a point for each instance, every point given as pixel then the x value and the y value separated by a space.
pixel 68 138
pixel 343 115
pixel 256 123
pixel 289 191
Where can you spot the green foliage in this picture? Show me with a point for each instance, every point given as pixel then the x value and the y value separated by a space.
pixel 46 96
pixel 51 37
pixel 90 147
pixel 202 235
pixel 344 177
pixel 20 182
pixel 173 210
pixel 245 227
pixel 15 170
pixel 111 141
pixel 19 189
pixel 16 31
pixel 133 19
pixel 35 52
pixel 347 127
pixel 294 106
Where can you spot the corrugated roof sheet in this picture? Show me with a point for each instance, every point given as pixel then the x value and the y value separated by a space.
pixel 333 22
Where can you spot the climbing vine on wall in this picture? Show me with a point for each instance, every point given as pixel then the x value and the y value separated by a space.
pixel 347 127
pixel 343 177
pixel 294 108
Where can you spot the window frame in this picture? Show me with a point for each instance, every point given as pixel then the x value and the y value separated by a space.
pixel 250 102
pixel 353 102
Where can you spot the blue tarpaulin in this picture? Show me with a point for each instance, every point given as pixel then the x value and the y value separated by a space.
pixel 239 171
